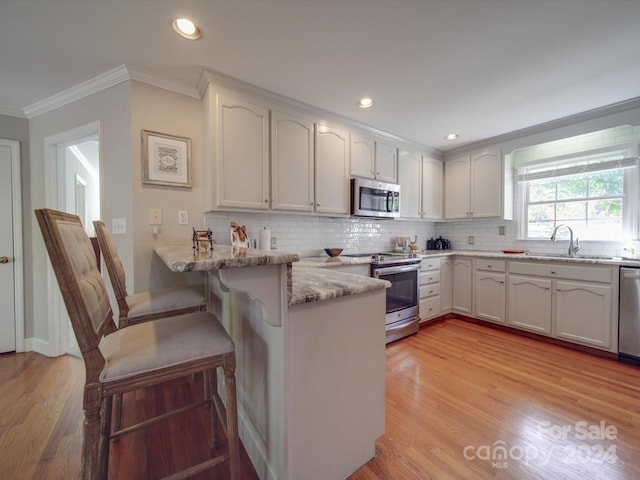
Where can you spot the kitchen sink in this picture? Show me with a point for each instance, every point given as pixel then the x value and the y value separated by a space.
pixel 566 255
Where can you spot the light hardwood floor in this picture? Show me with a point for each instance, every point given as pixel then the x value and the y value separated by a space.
pixel 457 394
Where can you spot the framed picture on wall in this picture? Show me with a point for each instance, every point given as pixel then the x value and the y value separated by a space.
pixel 166 159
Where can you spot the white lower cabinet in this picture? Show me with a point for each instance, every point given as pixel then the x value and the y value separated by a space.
pixel 568 301
pixel 462 274
pixel 429 289
pixel 583 313
pixel 490 290
pixel 446 285
pixel 530 304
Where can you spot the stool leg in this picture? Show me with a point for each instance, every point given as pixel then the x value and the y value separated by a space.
pixel 232 419
pixel 211 392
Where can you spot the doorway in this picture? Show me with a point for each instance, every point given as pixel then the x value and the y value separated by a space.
pixel 11 264
pixel 72 159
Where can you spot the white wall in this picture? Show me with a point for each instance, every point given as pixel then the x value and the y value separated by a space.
pixel 162 111
pixel 111 107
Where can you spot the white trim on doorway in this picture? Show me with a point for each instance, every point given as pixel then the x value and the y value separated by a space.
pixel 59 330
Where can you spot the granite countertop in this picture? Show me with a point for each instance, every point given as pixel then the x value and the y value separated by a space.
pixel 328 262
pixel 582 259
pixel 181 258
pixel 311 284
pixel 546 257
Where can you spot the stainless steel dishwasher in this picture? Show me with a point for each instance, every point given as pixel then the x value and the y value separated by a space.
pixel 629 326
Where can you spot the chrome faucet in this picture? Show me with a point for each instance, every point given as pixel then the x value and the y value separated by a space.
pixel 573 246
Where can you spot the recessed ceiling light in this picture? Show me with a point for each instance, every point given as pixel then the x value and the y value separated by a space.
pixel 365 102
pixel 451 136
pixel 186 28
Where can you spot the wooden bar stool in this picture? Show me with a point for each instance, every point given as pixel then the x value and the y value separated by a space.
pixel 143 306
pixel 139 356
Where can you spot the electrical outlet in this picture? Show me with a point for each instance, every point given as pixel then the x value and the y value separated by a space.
pixel 155 216
pixel 502 230
pixel 471 240
pixel 118 226
pixel 274 243
pixel 183 217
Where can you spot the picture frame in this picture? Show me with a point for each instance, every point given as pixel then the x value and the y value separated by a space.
pixel 166 159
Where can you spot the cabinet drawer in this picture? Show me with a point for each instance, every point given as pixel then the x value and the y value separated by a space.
pixel 430 264
pixel 491 265
pixel 429 276
pixel 429 290
pixel 555 270
pixel 430 307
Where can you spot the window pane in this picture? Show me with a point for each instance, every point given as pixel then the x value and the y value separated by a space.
pixel 611 208
pixel 540 229
pixel 542 190
pixel 604 229
pixel 606 183
pixel 568 211
pixel 572 186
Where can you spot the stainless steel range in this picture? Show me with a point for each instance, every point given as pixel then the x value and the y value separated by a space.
pixel 402 314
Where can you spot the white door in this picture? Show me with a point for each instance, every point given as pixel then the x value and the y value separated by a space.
pixel 8 162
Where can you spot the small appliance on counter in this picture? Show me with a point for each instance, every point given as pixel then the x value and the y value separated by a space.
pixel 438 244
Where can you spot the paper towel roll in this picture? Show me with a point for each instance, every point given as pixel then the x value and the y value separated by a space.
pixel 265 239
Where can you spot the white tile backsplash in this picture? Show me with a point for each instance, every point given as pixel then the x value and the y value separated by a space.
pixel 486 238
pixel 309 235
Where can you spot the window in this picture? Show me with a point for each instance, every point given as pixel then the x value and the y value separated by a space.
pixel 594 193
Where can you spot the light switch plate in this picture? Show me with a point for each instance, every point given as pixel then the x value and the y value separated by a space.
pixel 502 230
pixel 155 216
pixel 118 226
pixel 471 240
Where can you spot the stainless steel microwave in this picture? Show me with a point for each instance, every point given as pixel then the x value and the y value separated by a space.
pixel 371 198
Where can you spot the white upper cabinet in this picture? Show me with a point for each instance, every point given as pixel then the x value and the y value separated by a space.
pixel 409 178
pixel 386 162
pixel 292 174
pixel 332 171
pixel 237 173
pixel 473 185
pixel 373 159
pixel 432 173
pixel 362 156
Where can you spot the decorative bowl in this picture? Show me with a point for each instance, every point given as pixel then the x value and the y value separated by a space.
pixel 333 252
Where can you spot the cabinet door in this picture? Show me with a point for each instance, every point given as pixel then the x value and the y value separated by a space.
pixel 457 194
pixel 486 184
pixel 332 171
pixel 431 188
pixel 530 304
pixel 462 285
pixel 583 313
pixel 489 293
pixel 291 162
pixel 386 162
pixel 409 165
pixel 362 156
pixel 242 153
pixel 446 292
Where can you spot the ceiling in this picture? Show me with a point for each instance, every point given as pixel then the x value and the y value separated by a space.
pixel 480 68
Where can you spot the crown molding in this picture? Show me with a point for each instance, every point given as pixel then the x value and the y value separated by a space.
pixel 108 79
pixel 12 111
pixel 567 121
pixel 165 83
pixel 82 90
pixel 271 99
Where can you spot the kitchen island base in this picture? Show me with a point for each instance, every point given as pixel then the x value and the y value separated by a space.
pixel 311 391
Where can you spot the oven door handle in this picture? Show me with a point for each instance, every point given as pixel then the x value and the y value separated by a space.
pixel 391 270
